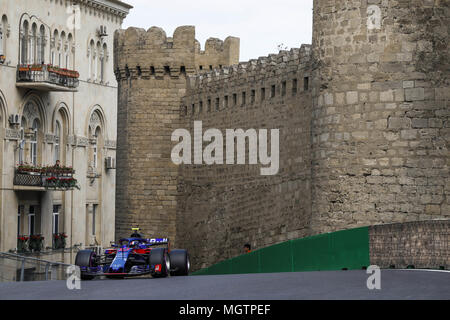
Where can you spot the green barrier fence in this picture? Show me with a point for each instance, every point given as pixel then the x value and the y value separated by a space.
pixel 348 249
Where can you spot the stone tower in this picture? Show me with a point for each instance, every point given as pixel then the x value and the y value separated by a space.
pixel 151 70
pixel 380 127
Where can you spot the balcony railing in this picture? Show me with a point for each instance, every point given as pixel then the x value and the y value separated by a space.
pixel 28 180
pixel 46 78
pixel 46 178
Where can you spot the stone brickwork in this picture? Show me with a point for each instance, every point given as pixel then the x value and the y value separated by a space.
pixel 222 207
pixel 380 128
pixel 424 244
pixel 151 70
pixel 364 127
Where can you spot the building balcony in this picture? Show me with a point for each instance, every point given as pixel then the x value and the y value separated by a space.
pixel 46 78
pixel 27 178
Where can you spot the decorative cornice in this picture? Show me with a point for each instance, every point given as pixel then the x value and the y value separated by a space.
pixel 115 7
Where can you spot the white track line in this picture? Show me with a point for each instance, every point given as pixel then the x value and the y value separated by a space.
pixel 427 270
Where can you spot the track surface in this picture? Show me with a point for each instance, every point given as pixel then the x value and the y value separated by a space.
pixel 395 284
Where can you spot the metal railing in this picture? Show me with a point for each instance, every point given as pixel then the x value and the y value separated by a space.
pixel 45 73
pixel 28 180
pixel 50 181
pixel 14 267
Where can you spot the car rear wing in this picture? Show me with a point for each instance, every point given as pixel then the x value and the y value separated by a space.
pixel 158 241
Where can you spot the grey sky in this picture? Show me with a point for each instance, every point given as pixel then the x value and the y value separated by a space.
pixel 262 25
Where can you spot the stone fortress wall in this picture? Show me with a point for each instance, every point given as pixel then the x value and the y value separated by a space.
pixel 363 115
pixel 151 69
pixel 221 207
pixel 380 127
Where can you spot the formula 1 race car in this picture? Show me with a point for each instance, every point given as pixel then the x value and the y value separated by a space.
pixel 134 256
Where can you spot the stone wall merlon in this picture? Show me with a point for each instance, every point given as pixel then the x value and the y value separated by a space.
pixel 214 45
pixel 297 59
pixel 153 49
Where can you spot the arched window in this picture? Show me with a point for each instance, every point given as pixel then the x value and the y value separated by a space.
pixel 41 45
pixel 91 59
pixel 95 149
pixel 97 60
pixel 33 44
pixel 96 141
pixel 57 153
pixel 69 51
pixel 103 58
pixel 24 43
pixel 3 34
pixel 34 143
pixel 62 51
pixel 54 48
pixel 22 141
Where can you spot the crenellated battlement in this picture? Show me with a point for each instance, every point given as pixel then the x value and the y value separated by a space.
pixel 217 53
pixel 273 65
pixel 141 53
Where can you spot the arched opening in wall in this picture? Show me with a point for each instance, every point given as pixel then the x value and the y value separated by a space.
pixel 57 149
pixel 91 59
pixel 61 132
pixel 62 50
pixel 95 154
pixel 41 45
pixel 34 142
pixel 21 149
pixel 70 52
pixel 54 48
pixel 32 126
pixel 96 141
pixel 33 44
pixel 103 58
pixel 24 38
pixel 97 70
pixel 4 33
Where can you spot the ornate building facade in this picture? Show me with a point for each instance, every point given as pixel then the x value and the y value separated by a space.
pixel 58 104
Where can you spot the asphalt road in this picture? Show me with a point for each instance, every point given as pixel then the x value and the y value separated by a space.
pixel 395 284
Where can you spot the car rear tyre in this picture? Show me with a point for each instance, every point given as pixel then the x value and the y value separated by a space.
pixel 180 263
pixel 86 258
pixel 159 256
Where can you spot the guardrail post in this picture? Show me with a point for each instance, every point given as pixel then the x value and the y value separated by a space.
pixel 47 266
pixel 22 271
pixel 54 272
